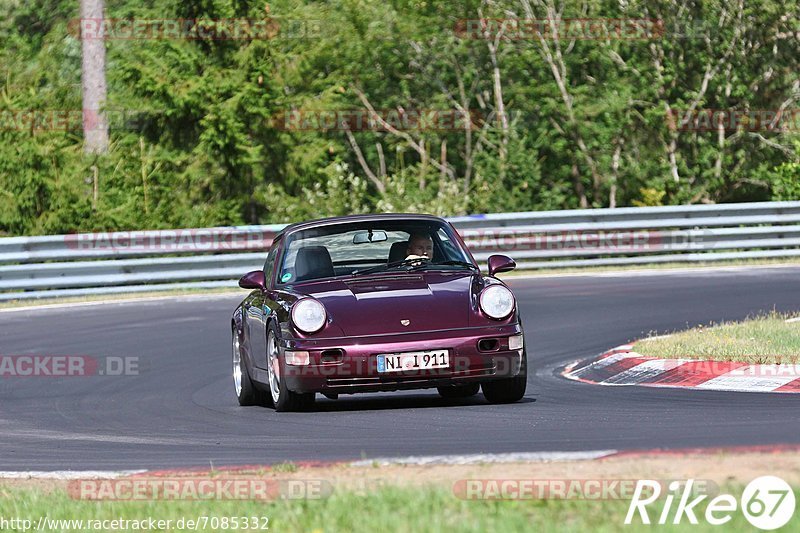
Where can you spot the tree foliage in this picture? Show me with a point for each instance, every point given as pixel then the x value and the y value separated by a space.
pixel 199 136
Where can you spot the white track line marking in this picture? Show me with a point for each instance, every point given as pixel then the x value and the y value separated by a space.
pixel 486 458
pixel 70 474
pixel 46 434
pixel 69 305
pixel 656 338
pixel 543 274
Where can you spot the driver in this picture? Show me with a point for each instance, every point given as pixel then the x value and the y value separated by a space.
pixel 420 246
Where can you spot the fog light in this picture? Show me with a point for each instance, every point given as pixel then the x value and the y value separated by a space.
pixel 516 342
pixel 296 358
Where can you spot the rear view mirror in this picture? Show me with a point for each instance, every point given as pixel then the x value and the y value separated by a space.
pixel 500 263
pixel 363 237
pixel 253 280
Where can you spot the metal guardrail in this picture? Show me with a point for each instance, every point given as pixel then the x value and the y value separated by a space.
pixel 137 261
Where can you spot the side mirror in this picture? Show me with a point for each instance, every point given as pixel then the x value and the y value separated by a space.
pixel 253 280
pixel 500 263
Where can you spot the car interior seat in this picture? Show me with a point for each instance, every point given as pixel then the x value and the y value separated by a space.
pixel 397 252
pixel 313 262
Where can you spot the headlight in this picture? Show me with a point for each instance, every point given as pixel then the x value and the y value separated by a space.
pixel 497 301
pixel 308 315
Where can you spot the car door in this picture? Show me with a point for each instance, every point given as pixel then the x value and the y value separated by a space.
pixel 258 312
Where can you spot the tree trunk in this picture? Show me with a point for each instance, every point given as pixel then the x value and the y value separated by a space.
pixel 93 77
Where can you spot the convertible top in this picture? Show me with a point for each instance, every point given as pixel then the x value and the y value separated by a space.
pixel 355 218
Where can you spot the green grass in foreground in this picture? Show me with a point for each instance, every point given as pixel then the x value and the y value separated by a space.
pixel 386 509
pixel 763 339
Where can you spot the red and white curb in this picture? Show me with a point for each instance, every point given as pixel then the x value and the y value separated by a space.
pixel 622 366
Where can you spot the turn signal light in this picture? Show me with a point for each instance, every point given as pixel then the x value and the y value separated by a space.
pixel 296 358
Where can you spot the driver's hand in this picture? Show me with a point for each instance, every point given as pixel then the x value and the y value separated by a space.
pixel 417 259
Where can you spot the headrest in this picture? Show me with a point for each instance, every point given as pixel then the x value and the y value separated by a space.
pixel 313 262
pixel 398 252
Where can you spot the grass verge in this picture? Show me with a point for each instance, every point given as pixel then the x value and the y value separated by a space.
pixel 429 508
pixel 422 497
pixel 762 339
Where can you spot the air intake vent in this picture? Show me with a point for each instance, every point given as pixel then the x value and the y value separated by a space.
pixel 332 356
pixel 488 345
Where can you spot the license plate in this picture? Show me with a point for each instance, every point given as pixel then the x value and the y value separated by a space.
pixel 401 362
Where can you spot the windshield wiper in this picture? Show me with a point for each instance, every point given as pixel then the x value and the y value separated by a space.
pixel 424 263
pixel 387 266
pixel 459 263
pixel 447 263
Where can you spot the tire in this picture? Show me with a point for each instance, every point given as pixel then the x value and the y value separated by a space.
pixel 508 390
pixel 459 391
pixel 283 399
pixel 244 388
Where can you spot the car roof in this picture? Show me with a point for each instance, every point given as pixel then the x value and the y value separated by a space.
pixel 291 228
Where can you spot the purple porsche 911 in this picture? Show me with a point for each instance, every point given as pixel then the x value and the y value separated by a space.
pixel 373 303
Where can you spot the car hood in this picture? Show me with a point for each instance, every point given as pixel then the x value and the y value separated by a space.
pixel 402 303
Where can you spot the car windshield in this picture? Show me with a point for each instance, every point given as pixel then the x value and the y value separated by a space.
pixel 353 249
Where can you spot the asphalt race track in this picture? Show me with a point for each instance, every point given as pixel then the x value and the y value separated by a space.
pixel 180 410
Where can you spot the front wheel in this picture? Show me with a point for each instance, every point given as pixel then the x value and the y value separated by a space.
pixel 246 392
pixel 282 398
pixel 508 390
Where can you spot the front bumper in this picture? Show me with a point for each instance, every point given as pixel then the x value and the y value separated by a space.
pixel 349 365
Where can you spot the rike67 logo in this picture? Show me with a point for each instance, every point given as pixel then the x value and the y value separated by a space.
pixel 767 502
